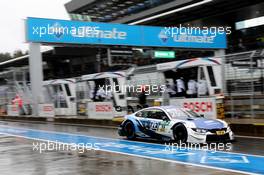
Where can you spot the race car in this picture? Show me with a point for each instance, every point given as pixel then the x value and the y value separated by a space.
pixel 170 123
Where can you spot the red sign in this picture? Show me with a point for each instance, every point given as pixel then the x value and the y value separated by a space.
pixel 47 108
pixel 204 106
pixel 199 106
pixel 103 108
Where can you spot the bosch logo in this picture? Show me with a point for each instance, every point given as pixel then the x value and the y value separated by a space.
pixel 47 108
pixel 199 106
pixel 103 108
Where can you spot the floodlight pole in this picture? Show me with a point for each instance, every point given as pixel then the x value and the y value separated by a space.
pixel 221 53
pixel 36 76
pixel 109 57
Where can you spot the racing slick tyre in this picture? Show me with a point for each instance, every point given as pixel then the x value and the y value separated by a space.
pixel 180 133
pixel 129 130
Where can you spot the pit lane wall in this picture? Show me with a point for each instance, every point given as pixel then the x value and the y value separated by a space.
pixel 209 107
pixel 103 114
pixel 44 110
pixel 99 110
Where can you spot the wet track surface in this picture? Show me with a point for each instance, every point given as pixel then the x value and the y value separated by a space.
pixel 18 157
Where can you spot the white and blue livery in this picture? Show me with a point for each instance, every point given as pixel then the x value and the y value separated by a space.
pixel 170 123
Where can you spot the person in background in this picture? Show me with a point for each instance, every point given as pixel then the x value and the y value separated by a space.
pixel 192 88
pixel 202 88
pixel 91 94
pixel 108 93
pixel 169 89
pixel 142 98
pixel 100 95
pixel 19 102
pixel 59 99
pixel 108 96
pixel 180 87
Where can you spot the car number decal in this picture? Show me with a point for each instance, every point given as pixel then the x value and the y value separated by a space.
pixel 151 125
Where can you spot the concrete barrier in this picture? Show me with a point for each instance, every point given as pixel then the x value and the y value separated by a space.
pixel 246 129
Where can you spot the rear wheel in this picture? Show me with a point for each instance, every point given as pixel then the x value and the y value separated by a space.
pixel 180 133
pixel 129 130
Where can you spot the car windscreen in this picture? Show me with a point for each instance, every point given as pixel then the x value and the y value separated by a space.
pixel 176 113
pixel 192 114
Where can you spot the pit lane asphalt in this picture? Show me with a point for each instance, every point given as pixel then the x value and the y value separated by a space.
pixel 18 157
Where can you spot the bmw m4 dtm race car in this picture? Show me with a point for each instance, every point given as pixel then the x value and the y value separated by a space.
pixel 169 123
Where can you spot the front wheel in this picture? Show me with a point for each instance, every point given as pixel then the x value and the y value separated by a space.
pixel 180 133
pixel 129 130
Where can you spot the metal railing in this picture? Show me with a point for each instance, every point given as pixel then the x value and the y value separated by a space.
pixel 244 84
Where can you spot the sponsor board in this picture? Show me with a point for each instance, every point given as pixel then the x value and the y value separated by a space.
pixel 46 110
pixel 100 110
pixel 204 106
pixel 42 30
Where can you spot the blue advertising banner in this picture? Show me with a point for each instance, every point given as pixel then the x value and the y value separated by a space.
pixel 78 32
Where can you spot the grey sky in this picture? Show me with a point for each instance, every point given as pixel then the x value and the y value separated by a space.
pixel 14 11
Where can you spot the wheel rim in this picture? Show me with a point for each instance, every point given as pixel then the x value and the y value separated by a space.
pixel 180 135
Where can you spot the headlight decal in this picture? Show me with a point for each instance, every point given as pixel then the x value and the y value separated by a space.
pixel 199 130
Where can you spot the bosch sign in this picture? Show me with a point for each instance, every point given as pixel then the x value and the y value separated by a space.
pixel 204 106
pixel 103 108
pixel 100 110
pixel 199 106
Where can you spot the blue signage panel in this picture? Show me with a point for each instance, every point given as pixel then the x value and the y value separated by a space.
pixel 78 32
pixel 226 161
